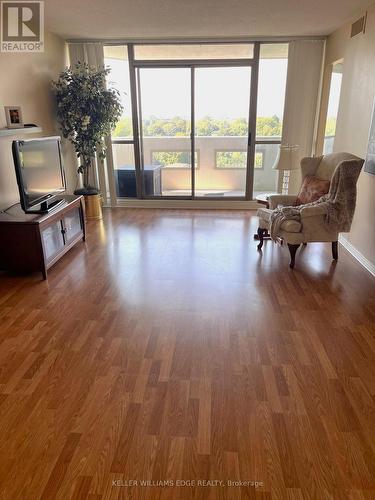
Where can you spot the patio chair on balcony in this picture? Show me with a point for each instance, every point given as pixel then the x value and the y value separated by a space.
pixel 323 208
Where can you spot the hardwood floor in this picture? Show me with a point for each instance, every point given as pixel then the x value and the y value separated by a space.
pixel 169 349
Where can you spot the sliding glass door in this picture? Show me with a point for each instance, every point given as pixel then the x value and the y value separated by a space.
pixel 201 121
pixel 164 112
pixel 200 109
pixel 222 133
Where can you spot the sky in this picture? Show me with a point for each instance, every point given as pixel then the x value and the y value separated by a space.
pixel 334 95
pixel 222 93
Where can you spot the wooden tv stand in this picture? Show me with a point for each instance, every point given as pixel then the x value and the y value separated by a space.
pixel 35 242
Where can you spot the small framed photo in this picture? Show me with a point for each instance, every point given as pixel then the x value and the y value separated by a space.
pixel 13 115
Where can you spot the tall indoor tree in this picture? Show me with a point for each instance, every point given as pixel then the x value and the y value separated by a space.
pixel 87 111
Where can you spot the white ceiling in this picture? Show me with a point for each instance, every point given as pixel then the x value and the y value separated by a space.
pixel 198 18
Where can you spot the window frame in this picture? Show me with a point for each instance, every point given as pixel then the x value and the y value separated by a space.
pixel 252 139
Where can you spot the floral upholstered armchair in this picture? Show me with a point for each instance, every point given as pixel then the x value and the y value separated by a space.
pixel 324 207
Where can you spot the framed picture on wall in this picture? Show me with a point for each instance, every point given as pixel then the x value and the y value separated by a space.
pixel 13 115
pixel 370 155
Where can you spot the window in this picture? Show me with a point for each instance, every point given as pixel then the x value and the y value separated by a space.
pixel 273 67
pixel 162 84
pixel 193 51
pixel 333 107
pixel 116 59
pixel 173 159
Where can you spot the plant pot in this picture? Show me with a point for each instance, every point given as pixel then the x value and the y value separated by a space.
pixel 87 191
pixel 93 205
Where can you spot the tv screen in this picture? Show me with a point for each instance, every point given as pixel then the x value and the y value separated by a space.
pixel 39 170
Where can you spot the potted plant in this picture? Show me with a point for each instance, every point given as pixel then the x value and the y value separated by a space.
pixel 87 111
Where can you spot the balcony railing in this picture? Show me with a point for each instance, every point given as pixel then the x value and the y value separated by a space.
pixel 215 172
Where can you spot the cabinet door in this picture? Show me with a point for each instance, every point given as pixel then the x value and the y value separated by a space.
pixel 72 224
pixel 53 240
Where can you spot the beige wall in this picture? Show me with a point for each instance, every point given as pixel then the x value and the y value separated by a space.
pixel 353 123
pixel 26 81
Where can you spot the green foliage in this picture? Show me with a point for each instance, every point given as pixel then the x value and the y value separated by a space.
pixel 173 158
pixel 269 126
pixel 86 110
pixel 236 159
pixel 177 127
pixel 330 126
pixel 124 128
pixel 231 159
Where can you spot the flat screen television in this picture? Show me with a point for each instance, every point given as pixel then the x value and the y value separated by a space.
pixel 40 173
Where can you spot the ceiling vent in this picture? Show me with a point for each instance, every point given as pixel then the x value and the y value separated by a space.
pixel 359 26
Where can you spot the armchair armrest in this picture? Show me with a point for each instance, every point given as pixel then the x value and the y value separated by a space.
pixel 314 227
pixel 281 199
pixel 313 211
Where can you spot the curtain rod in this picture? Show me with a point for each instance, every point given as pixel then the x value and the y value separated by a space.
pixel 186 41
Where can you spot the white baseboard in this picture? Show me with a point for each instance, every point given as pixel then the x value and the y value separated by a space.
pixel 189 204
pixel 357 255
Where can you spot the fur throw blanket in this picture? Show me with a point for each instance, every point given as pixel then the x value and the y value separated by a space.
pixel 337 205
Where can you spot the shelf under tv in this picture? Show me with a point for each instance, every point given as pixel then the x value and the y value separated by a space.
pixel 36 242
pixel 16 131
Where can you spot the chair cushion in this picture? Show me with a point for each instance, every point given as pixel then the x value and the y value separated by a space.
pixel 291 226
pixel 312 189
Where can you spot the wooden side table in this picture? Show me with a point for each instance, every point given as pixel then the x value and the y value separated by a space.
pixel 263 199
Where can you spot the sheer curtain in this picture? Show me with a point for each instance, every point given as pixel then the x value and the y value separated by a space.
pixel 301 99
pixel 90 53
pixel 93 55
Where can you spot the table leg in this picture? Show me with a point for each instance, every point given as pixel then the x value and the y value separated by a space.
pixel 266 235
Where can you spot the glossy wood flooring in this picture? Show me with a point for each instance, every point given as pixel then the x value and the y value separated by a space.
pixel 168 349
